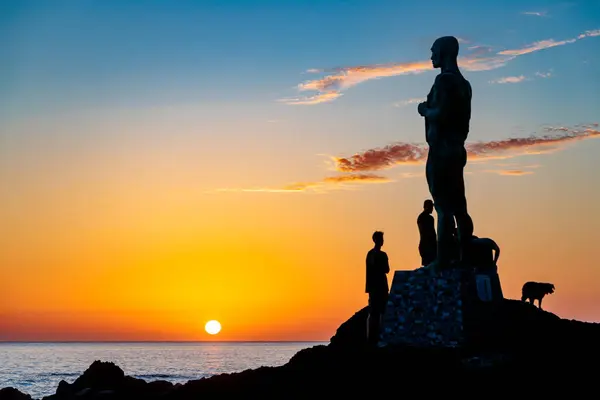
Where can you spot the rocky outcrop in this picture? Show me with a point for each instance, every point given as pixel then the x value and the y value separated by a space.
pixel 10 393
pixel 518 349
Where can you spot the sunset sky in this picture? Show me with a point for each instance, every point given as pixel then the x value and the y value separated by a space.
pixel 167 163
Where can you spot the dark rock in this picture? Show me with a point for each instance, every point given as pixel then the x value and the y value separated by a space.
pixel 83 392
pixel 10 393
pixel 159 387
pixel 511 344
pixel 64 389
pixel 353 332
pixel 100 375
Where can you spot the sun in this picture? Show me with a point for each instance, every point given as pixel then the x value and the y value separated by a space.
pixel 212 327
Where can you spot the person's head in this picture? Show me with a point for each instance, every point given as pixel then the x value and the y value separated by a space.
pixel 444 51
pixel 378 238
pixel 428 206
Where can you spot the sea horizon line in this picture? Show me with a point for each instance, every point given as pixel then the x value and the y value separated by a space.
pixel 156 341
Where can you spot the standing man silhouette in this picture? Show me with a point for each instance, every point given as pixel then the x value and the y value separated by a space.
pixel 428 239
pixel 447 114
pixel 376 286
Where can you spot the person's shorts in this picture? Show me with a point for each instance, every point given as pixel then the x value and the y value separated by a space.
pixel 377 303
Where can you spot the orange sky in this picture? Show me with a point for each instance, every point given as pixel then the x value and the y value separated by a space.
pixel 148 165
pixel 86 257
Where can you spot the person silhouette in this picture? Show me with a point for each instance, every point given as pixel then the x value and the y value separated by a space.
pixel 483 253
pixel 428 239
pixel 377 268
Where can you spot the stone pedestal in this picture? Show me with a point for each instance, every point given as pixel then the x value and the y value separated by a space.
pixel 433 310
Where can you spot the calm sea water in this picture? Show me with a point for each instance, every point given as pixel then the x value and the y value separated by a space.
pixel 36 368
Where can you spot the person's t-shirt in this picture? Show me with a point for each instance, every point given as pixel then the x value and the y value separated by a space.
pixel 426 228
pixel 377 269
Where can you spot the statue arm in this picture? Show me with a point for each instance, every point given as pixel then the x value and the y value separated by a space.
pixel 442 87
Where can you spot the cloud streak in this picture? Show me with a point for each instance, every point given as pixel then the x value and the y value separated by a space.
pixel 406 102
pixel 535 13
pixel 389 156
pixel 510 172
pixel 328 183
pixel 360 168
pixel 509 79
pixel 337 80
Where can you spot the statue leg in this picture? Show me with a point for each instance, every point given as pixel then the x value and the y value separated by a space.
pixel 445 226
pixel 464 223
pixel 437 179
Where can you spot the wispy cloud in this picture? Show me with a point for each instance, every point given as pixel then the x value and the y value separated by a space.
pixel 316 99
pixel 331 86
pixel 382 158
pixel 409 153
pixel 412 174
pixel 536 13
pixel 406 102
pixel 537 46
pixel 520 78
pixel 509 79
pixel 356 169
pixel 509 172
pixel 591 33
pixel 543 74
pixel 329 183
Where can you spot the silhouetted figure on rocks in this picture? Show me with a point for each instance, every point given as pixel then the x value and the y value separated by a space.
pixel 376 286
pixel 483 253
pixel 447 114
pixel 428 239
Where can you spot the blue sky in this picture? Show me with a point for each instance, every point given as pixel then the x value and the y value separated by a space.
pixel 145 53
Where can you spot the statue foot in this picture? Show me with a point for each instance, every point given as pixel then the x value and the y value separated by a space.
pixel 433 267
pixel 436 266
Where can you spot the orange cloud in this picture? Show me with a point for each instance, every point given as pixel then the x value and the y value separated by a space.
pixel 328 183
pixel 406 153
pixel 316 99
pixel 330 87
pixel 537 46
pixel 548 43
pixel 357 165
pixel 510 172
pixel 382 158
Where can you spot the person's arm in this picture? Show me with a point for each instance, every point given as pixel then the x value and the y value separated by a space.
pixel 420 224
pixel 386 266
pixel 497 252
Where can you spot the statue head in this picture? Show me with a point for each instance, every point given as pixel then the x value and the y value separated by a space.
pixel 444 50
pixel 378 238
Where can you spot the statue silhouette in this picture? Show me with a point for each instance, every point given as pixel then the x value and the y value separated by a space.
pixel 447 114
pixel 428 239
pixel 376 286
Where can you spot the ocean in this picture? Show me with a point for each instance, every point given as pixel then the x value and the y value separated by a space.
pixel 36 368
